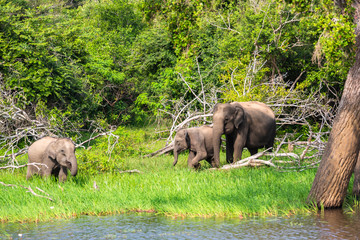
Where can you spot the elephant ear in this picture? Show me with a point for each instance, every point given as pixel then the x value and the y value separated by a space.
pixel 51 150
pixel 187 139
pixel 239 116
pixel 215 107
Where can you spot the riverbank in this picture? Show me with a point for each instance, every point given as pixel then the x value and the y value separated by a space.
pixel 101 188
pixel 162 189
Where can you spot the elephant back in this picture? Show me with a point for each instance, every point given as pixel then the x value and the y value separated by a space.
pixel 37 149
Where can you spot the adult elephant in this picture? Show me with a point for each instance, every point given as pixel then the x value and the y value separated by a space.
pixel 245 124
pixel 56 155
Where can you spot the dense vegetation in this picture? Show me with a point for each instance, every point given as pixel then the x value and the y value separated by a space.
pixel 122 61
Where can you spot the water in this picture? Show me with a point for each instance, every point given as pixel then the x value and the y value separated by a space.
pixel 333 224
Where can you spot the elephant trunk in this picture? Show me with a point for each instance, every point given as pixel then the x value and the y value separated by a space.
pixel 176 155
pixel 74 167
pixel 216 144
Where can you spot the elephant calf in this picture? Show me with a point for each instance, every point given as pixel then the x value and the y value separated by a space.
pixel 58 154
pixel 199 142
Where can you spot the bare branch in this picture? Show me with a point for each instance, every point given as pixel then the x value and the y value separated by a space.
pixel 164 150
pixel 30 190
pixel 8 185
pixel 25 165
pixel 130 171
pixel 35 194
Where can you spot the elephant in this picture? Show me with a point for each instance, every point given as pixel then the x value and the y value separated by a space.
pixel 58 154
pixel 356 184
pixel 199 142
pixel 245 124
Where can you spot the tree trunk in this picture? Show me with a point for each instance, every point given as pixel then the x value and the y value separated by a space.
pixel 338 162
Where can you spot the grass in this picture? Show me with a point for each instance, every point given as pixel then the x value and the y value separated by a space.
pixel 160 188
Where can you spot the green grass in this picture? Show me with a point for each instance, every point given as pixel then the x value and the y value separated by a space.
pixel 160 188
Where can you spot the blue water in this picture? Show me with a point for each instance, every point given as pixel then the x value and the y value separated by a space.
pixel 328 225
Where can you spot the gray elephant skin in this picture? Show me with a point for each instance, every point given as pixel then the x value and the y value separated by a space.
pixel 199 142
pixel 245 124
pixel 57 153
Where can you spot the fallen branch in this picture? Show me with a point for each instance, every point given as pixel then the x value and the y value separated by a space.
pixel 93 138
pixel 30 190
pixel 8 185
pixel 249 161
pixel 254 160
pixel 25 165
pixel 37 195
pixel 163 150
pixel 130 171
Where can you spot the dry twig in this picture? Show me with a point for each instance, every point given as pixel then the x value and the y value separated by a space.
pixel 130 171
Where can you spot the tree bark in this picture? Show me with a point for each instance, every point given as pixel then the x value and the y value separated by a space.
pixel 338 162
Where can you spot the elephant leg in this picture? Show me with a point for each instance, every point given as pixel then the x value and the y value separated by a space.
pixel 253 151
pixel 190 158
pixel 30 172
pixel 211 161
pixel 200 155
pixel 46 172
pixel 356 186
pixel 33 170
pixel 55 171
pixel 229 149
pixel 62 174
pixel 238 147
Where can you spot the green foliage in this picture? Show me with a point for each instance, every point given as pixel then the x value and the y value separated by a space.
pixel 34 49
pixel 121 60
pixel 108 154
pixel 334 52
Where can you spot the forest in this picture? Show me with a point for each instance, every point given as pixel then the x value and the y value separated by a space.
pixel 139 70
pixel 139 62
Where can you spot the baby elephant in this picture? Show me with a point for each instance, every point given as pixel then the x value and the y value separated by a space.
pixel 57 153
pixel 199 142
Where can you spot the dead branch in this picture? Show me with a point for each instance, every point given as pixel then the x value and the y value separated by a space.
pixel 248 162
pixel 42 191
pixel 8 185
pixel 25 165
pixel 164 150
pixel 130 171
pixel 37 195
pixel 30 190
pixel 92 138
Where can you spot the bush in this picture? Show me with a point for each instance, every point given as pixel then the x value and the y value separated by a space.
pixel 108 154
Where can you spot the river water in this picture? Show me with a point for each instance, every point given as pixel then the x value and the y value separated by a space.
pixel 331 224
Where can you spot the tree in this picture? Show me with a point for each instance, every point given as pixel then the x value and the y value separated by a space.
pixel 338 162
